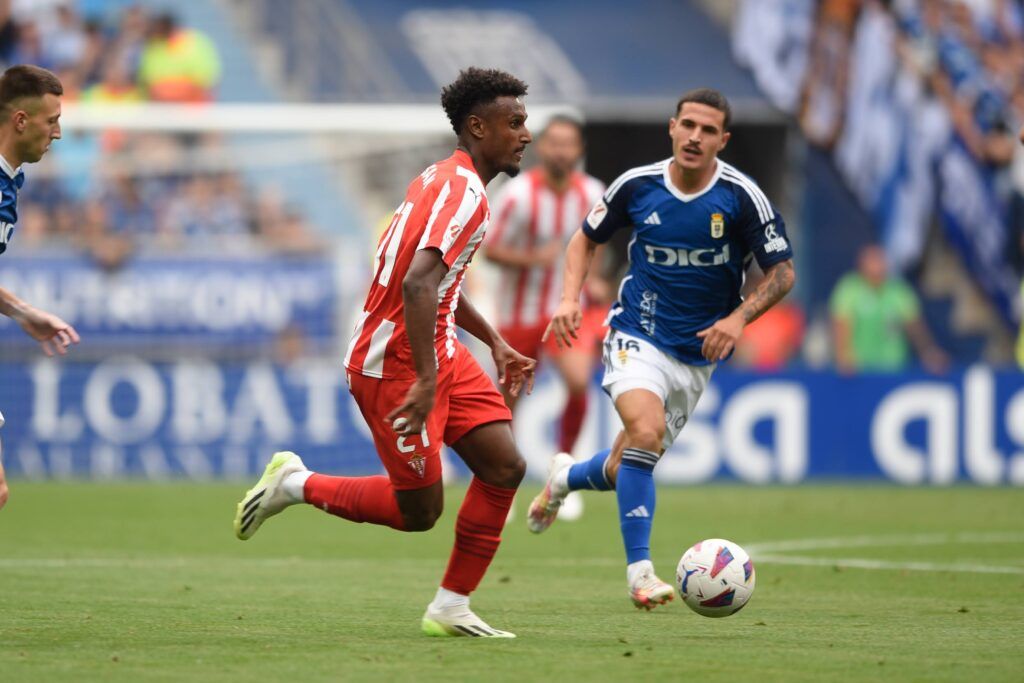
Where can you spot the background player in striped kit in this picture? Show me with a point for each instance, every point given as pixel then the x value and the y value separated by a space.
pixel 29 123
pixel 697 222
pixel 416 385
pixel 535 214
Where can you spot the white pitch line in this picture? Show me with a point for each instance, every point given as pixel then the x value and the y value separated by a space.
pixel 847 542
pixel 149 563
pixel 857 563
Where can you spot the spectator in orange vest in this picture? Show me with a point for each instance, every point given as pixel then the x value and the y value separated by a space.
pixel 178 64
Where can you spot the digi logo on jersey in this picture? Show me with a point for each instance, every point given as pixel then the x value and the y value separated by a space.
pixel 700 258
pixel 6 230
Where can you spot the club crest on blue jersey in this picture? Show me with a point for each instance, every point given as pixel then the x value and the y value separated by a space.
pixel 717 226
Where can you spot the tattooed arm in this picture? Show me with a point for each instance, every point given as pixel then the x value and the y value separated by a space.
pixel 720 339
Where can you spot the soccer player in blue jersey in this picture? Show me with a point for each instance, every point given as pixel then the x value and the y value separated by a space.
pixel 696 224
pixel 29 122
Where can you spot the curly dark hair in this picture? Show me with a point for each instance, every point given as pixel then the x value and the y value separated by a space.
pixel 475 87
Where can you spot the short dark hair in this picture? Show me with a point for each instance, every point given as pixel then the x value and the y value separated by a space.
pixel 710 97
pixel 475 87
pixel 27 80
pixel 563 119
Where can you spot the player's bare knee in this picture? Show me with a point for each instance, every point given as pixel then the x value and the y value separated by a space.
pixel 646 437
pixel 515 473
pixel 506 473
pixel 421 520
pixel 421 510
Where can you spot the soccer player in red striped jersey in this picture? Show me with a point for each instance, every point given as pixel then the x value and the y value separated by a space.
pixel 416 385
pixel 535 215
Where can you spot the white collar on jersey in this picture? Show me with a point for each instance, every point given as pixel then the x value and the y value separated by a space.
pixel 682 196
pixel 6 167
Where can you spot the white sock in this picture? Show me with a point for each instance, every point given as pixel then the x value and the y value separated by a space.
pixel 446 598
pixel 560 482
pixel 637 569
pixel 294 485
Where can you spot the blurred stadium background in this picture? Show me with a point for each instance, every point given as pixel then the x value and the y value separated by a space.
pixel 208 220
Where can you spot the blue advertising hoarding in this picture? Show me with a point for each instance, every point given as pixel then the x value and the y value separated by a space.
pixel 186 300
pixel 127 417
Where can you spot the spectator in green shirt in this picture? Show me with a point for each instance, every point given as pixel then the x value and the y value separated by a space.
pixel 874 316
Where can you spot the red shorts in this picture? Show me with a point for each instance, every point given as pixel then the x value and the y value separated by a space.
pixel 526 339
pixel 466 398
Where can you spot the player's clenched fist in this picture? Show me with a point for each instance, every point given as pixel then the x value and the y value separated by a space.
pixel 567 319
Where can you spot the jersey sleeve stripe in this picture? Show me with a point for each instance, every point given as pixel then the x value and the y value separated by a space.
pixel 471 199
pixel 650 169
pixel 755 192
pixel 442 196
pixel 764 210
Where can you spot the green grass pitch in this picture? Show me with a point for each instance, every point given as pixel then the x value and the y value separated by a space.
pixel 142 582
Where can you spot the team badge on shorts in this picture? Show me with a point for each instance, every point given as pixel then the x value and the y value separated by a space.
pixel 418 464
pixel 717 225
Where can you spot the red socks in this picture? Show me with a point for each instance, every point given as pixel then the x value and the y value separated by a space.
pixel 372 499
pixel 572 421
pixel 359 499
pixel 477 535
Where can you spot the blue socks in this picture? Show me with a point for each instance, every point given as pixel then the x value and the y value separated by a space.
pixel 635 491
pixel 589 475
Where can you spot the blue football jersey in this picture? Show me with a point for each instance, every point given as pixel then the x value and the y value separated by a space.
pixel 688 253
pixel 10 182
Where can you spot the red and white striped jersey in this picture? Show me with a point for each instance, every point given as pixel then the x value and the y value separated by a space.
pixel 528 215
pixel 445 208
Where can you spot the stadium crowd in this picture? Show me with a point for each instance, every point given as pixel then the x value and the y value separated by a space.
pixel 103 198
pixel 959 66
pixel 969 55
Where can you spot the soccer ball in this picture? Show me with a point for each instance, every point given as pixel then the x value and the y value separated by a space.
pixel 715 578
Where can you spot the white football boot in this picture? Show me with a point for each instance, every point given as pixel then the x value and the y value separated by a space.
pixel 647 591
pixel 458 621
pixel 267 497
pixel 544 508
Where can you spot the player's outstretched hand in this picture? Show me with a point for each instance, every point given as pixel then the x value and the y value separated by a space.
pixel 564 323
pixel 408 418
pixel 721 338
pixel 52 333
pixel 514 369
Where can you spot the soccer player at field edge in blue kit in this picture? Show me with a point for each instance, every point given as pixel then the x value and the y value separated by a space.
pixel 697 222
pixel 29 123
